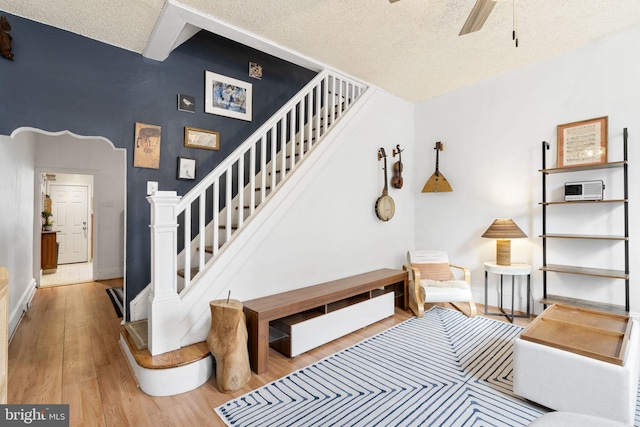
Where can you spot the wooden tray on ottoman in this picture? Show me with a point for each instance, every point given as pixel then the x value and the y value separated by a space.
pixel 596 334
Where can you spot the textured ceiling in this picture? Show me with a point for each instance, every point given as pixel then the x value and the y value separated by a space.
pixel 410 48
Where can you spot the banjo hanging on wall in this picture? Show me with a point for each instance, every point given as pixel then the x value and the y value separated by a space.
pixel 385 206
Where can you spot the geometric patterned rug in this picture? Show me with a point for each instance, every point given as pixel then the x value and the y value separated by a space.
pixel 444 369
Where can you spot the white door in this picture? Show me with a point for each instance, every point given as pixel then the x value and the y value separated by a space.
pixel 70 213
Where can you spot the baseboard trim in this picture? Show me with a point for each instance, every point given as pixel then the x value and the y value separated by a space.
pixel 109 273
pixel 24 302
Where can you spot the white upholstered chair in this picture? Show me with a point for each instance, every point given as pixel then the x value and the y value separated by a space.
pixel 431 279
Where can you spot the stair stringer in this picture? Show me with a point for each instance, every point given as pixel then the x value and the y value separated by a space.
pixel 215 282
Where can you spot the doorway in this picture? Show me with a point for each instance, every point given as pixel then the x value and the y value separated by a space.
pixel 69 197
pixel 103 167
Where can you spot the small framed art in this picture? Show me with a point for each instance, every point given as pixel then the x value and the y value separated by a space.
pixel 186 103
pixel 582 143
pixel 146 153
pixel 228 97
pixel 201 138
pixel 186 168
pixel 255 70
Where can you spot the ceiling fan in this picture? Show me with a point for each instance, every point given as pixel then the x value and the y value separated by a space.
pixel 478 15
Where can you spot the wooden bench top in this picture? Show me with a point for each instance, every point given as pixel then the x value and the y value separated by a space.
pixel 283 304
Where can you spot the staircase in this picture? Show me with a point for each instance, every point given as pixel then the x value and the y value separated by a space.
pixel 194 238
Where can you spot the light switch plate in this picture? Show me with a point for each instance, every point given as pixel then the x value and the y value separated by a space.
pixel 152 187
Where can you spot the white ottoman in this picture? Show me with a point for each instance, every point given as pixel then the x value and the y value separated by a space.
pixel 566 381
pixel 571 419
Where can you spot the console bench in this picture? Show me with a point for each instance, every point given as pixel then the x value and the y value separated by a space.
pixel 308 317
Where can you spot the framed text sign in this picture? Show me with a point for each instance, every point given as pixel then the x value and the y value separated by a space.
pixel 582 143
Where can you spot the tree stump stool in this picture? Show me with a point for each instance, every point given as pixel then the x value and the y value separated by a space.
pixel 227 341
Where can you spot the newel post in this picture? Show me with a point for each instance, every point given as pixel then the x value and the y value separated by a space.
pixel 164 301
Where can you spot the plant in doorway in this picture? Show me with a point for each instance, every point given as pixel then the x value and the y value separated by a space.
pixel 47 224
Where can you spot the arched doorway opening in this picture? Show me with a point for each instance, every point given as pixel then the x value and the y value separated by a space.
pixel 66 154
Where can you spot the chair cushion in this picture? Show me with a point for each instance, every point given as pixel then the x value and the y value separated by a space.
pixel 434 271
pixel 438 294
pixel 427 257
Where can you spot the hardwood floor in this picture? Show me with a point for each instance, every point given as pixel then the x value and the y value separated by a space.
pixel 66 350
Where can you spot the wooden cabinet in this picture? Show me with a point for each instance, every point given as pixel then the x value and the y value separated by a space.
pixel 583 215
pixel 48 252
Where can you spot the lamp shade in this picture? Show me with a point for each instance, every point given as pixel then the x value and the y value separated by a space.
pixel 504 228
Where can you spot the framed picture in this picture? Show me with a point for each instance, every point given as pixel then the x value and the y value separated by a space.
pixel 582 143
pixel 146 153
pixel 186 168
pixel 255 70
pixel 200 138
pixel 186 103
pixel 228 97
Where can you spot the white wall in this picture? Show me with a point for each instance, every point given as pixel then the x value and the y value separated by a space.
pixel 323 224
pixel 16 222
pixel 332 230
pixel 492 133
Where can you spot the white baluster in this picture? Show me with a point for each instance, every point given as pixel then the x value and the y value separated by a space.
pixel 325 107
pixel 216 217
pixel 202 243
pixel 227 205
pixel 263 168
pixel 252 178
pixel 240 180
pixel 283 147
pixel 187 246
pixel 274 163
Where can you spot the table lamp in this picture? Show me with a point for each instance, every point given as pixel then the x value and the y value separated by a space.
pixel 503 229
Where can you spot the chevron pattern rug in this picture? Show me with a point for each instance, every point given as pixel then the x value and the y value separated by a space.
pixel 441 370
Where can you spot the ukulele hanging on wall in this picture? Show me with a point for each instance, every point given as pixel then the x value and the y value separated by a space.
pixel 385 206
pixel 437 183
pixel 397 181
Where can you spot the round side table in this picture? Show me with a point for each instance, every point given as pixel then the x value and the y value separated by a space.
pixel 515 269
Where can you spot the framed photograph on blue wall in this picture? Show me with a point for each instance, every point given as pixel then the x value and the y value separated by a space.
pixel 227 97
pixel 186 168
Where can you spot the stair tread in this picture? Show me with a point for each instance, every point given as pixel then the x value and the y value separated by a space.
pixel 184 356
pixel 209 248
pixel 194 271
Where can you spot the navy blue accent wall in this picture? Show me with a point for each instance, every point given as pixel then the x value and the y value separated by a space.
pixel 62 81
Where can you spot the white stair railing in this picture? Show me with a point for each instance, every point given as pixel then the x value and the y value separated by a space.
pixel 216 209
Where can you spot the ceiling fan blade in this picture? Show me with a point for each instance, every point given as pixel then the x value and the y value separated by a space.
pixel 393 1
pixel 478 15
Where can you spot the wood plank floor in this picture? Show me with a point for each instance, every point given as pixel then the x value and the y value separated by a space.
pixel 66 350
